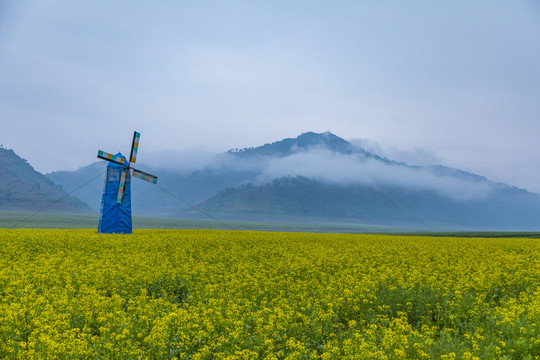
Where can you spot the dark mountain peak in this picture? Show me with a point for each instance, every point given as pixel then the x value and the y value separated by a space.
pixel 304 142
pixel 326 140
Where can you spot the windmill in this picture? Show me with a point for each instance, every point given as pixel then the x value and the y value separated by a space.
pixel 115 214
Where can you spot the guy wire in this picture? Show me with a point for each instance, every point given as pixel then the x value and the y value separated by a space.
pixel 195 207
pixel 94 178
pixel 55 201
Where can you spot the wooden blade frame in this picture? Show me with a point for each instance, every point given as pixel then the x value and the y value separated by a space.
pixel 125 172
pixel 134 147
pixel 145 176
pixel 112 158
pixel 121 187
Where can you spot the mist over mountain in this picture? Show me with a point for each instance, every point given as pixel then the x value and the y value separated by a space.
pixel 319 176
pixel 506 208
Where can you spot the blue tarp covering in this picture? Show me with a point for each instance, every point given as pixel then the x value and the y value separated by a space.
pixel 115 218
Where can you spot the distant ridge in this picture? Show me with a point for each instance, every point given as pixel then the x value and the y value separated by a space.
pixel 324 177
pixel 507 208
pixel 23 188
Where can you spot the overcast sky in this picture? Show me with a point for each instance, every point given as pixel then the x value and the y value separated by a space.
pixel 455 82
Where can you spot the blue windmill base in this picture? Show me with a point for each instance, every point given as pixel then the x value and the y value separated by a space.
pixel 115 218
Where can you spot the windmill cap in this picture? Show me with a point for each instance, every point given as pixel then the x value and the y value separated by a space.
pixel 116 165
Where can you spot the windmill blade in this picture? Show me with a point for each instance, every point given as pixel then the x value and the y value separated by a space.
pixel 145 176
pixel 121 187
pixel 134 147
pixel 112 158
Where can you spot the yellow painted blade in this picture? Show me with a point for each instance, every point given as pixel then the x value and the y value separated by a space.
pixel 145 176
pixel 121 187
pixel 134 147
pixel 112 158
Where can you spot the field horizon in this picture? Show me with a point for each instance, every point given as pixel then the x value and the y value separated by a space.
pixel 61 220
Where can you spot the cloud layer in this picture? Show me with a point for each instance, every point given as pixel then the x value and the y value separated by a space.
pixel 336 168
pixel 329 167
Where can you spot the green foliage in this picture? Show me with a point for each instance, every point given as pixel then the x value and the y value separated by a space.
pixel 172 289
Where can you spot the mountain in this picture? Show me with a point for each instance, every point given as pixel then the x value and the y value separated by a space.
pixel 322 176
pixel 23 188
pixel 148 199
pixel 231 169
pixel 394 193
pixel 507 208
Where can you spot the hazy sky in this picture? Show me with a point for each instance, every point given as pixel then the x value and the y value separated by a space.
pixel 456 82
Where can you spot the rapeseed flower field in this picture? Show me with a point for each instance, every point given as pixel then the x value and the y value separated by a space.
pixel 165 294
